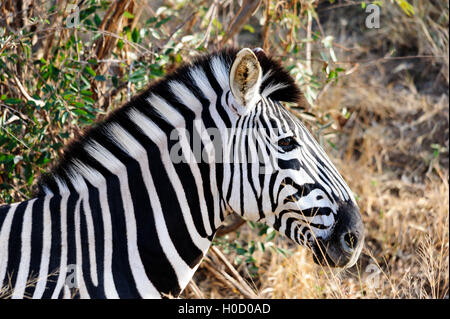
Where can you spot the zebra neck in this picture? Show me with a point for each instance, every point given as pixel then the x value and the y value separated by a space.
pixel 165 218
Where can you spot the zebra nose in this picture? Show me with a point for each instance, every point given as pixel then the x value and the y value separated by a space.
pixel 349 242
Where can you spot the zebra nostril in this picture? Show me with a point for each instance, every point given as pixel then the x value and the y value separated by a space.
pixel 349 241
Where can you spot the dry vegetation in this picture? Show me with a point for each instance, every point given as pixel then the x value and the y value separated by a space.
pixel 389 139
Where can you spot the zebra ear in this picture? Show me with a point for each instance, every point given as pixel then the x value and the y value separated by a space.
pixel 245 78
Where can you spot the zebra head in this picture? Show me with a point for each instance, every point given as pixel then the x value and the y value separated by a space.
pixel 278 173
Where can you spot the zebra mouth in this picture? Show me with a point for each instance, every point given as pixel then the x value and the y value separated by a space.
pixel 320 256
pixel 330 254
pixel 345 242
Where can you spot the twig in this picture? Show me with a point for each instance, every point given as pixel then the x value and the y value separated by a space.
pixel 178 27
pixel 233 271
pixel 245 12
pixel 129 82
pixel 308 42
pixel 211 14
pixel 195 290
pixel 26 95
pixel 227 279
pixel 12 135
pixel 111 95
pixel 265 31
pixel 23 117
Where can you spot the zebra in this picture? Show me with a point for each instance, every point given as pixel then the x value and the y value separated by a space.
pixel 130 209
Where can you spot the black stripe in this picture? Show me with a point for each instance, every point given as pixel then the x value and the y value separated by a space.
pixel 219 92
pixel 99 235
pixel 36 244
pixel 194 135
pixel 15 245
pixel 55 249
pixel 93 202
pixel 272 180
pixel 72 204
pixel 172 212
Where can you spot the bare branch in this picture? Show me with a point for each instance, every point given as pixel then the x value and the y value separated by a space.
pixel 248 8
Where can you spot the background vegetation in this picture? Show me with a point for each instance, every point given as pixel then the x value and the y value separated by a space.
pixel 378 104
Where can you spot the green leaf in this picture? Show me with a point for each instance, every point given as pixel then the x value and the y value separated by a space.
pixel 406 7
pixel 68 97
pixel 261 246
pixel 120 44
pixel 64 117
pixel 270 235
pixel 100 78
pixel 6 158
pixel 28 173
pixel 89 70
pixel 249 28
pixel 78 104
pixel 160 23
pixel 12 100
pixel 251 250
pixel 128 15
pixel 97 20
pixel 135 35
pixel 80 112
pixel 151 20
pixel 86 92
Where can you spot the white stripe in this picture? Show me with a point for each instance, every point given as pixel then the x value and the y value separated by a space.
pixel 64 192
pixel 66 294
pixel 46 246
pixel 4 241
pixel 166 112
pixel 82 189
pixel 221 72
pixel 79 257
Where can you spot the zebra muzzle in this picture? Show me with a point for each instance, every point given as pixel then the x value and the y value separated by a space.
pixel 343 247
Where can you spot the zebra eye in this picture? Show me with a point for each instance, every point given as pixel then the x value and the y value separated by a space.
pixel 287 143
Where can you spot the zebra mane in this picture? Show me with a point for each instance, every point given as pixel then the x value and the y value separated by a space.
pixel 276 84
